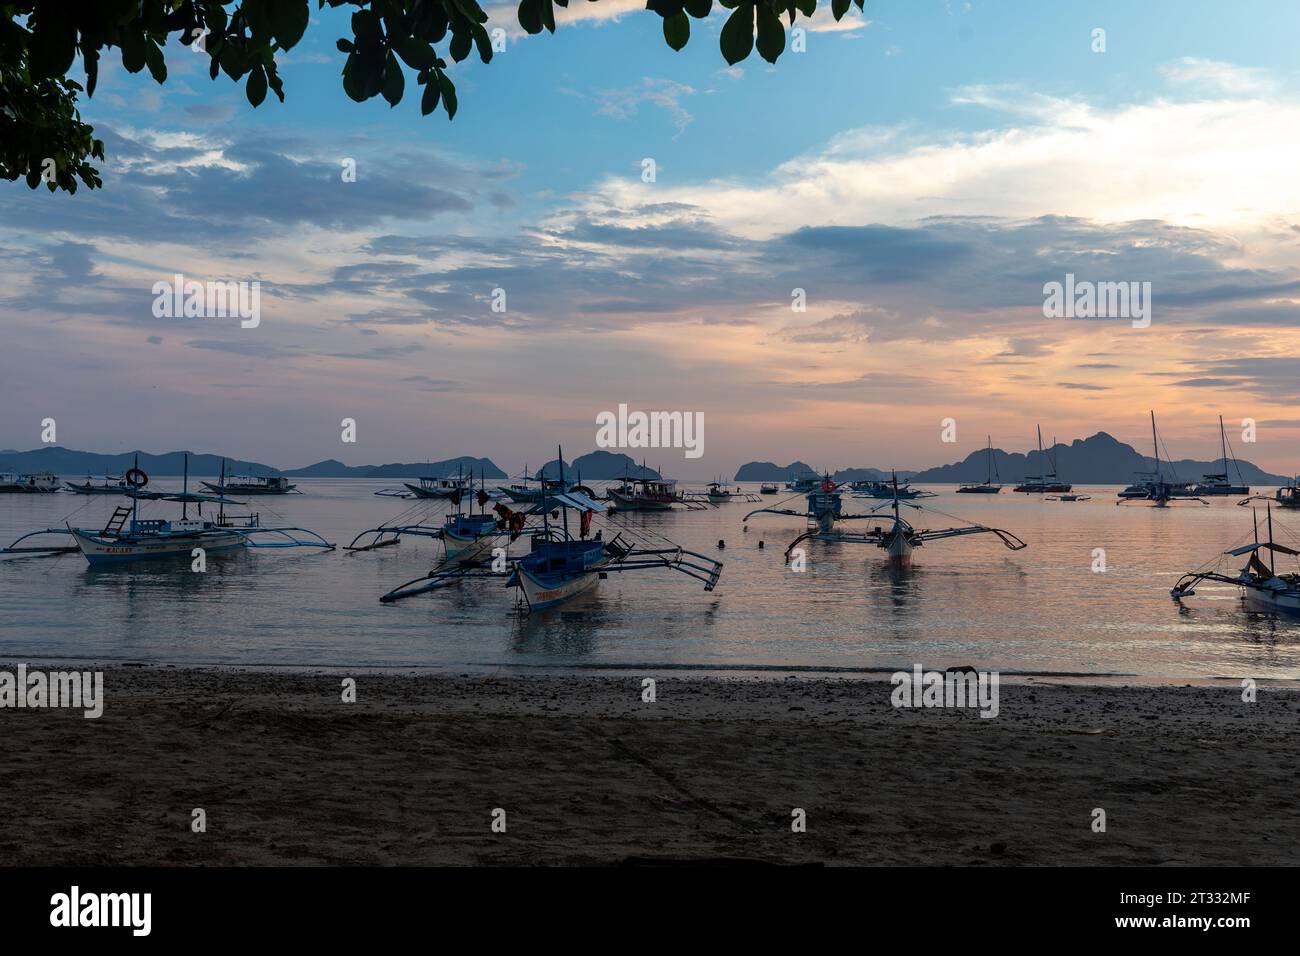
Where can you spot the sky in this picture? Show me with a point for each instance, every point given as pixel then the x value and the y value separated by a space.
pixel 920 172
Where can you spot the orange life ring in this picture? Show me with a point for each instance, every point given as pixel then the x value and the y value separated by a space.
pixel 136 478
pixel 828 485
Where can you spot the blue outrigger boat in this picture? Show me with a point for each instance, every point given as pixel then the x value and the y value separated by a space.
pixel 894 533
pixel 560 566
pixel 127 537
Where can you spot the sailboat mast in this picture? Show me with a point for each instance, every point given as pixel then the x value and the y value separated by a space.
pixel 988 470
pixel 1042 475
pixel 1155 445
pixel 1223 442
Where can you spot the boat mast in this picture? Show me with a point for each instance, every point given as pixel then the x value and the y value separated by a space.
pixel 988 470
pixel 1271 559
pixel 185 487
pixel 221 505
pixel 1042 477
pixel 564 512
pixel 1155 445
pixel 1223 441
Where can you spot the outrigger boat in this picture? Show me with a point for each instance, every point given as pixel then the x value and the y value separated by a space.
pixel 895 535
pixel 440 487
pixel 1047 482
pixel 253 485
pixel 768 488
pixel 649 494
pixel 987 486
pixel 467 538
pixel 1263 587
pixel 128 537
pixel 522 493
pixel 1288 497
pixel 107 485
pixel 42 483
pixel 559 566
pixel 1218 484
pixel 1157 489
pixel 718 492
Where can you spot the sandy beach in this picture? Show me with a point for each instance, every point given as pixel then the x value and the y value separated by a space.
pixel 588 773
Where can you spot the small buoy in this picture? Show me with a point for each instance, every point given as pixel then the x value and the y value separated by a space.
pixel 760 546
pixel 721 544
pixel 745 529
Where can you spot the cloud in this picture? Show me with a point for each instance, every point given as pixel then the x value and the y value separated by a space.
pixel 1217 76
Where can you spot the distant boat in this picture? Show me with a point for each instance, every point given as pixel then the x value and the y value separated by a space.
pixel 887 490
pixel 645 494
pixel 252 485
pixel 1288 496
pixel 804 483
pixel 987 486
pixel 1156 488
pixel 1047 482
pixel 126 537
pixel 1218 484
pixel 41 483
pixel 768 488
pixel 1070 497
pixel 107 485
pixel 440 487
pixel 1263 587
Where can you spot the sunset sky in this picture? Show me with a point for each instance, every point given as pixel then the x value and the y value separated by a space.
pixel 920 172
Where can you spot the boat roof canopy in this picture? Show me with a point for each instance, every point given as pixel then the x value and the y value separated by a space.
pixel 1271 545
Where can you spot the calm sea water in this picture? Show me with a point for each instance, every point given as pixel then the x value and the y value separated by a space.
pixel 965 601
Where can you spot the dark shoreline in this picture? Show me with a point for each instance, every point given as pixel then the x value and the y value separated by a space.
pixel 589 774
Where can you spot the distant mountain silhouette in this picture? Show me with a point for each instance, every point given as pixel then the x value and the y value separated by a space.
pixel 71 463
pixel 68 462
pixel 464 465
pixel 1100 459
pixel 768 471
pixel 596 466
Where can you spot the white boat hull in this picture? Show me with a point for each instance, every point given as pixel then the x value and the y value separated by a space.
pixel 462 549
pixel 541 596
pixel 107 551
pixel 1271 601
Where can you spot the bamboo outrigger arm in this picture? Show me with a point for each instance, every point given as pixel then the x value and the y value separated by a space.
pixel 388 535
pixel 1006 537
pixel 291 540
pixel 49 551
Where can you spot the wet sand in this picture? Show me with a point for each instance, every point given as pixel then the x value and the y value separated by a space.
pixel 587 773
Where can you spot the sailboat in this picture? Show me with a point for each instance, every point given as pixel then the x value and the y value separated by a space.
pixel 895 535
pixel 1263 586
pixel 559 565
pixel 1159 490
pixel 1218 484
pixel 987 486
pixel 127 537
pixel 1047 482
